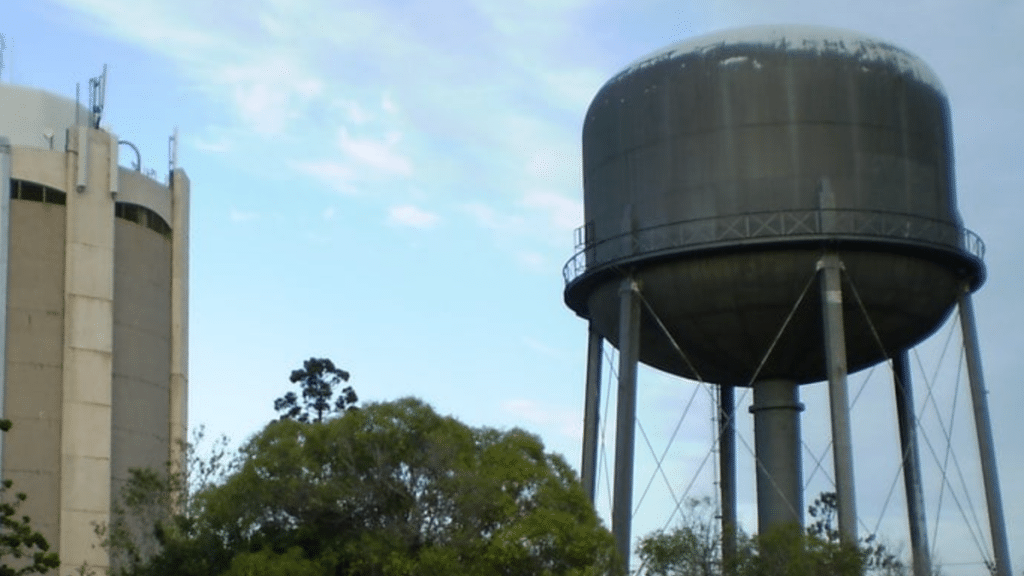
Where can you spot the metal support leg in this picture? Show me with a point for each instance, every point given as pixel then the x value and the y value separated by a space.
pixel 625 431
pixel 592 403
pixel 727 472
pixel 911 465
pixel 780 489
pixel 835 362
pixel 983 428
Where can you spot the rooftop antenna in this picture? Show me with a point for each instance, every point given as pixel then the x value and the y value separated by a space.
pixel 97 94
pixel 172 150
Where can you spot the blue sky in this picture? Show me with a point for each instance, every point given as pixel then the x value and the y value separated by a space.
pixel 394 185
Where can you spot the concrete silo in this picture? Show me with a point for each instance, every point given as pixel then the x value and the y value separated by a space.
pixel 94 283
pixel 770 207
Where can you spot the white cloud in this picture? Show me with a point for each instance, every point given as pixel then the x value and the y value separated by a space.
pixel 532 261
pixel 215 145
pixel 490 219
pixel 377 154
pixel 387 104
pixel 329 213
pixel 354 112
pixel 541 348
pixel 337 175
pixel 562 213
pixel 410 216
pixel 270 93
pixel 237 215
pixel 567 422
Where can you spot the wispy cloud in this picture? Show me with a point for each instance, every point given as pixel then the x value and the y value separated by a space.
pixel 377 154
pixel 485 216
pixel 542 348
pixel 561 212
pixel 364 95
pixel 237 215
pixel 337 175
pixel 216 145
pixel 567 422
pixel 410 216
pixel 271 92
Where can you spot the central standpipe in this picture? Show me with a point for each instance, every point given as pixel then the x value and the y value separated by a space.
pixel 776 411
pixel 625 431
pixel 835 361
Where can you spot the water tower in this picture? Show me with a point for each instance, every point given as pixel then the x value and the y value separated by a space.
pixel 771 207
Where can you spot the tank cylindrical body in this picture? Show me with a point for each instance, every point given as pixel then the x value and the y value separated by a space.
pixel 716 172
pixel 92 325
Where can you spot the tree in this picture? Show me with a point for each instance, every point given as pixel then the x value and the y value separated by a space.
pixel 318 377
pixel 390 489
pixel 154 506
pixel 693 548
pixel 22 549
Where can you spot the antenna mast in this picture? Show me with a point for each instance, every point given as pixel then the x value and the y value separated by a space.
pixel 97 95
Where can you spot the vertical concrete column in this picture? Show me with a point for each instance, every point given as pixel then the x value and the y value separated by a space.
pixel 911 465
pixel 625 427
pixel 88 349
pixel 180 199
pixel 591 406
pixel 983 429
pixel 727 472
pixel 5 244
pixel 835 361
pixel 780 489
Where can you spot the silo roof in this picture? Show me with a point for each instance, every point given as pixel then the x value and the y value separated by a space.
pixel 797 38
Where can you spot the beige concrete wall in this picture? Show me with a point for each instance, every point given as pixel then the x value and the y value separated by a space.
pixel 181 188
pixel 40 166
pixel 140 189
pixel 142 350
pixel 35 334
pixel 88 348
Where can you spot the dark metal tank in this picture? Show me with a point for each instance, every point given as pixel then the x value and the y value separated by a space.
pixel 717 171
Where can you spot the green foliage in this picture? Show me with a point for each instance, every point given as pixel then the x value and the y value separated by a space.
pixel 390 489
pixel 22 549
pixel 155 508
pixel 318 377
pixel 269 563
pixel 694 548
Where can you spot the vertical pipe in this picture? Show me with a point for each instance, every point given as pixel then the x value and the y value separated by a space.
pixel 625 427
pixel 983 429
pixel 776 411
pixel 835 362
pixel 5 240
pixel 911 465
pixel 727 473
pixel 591 405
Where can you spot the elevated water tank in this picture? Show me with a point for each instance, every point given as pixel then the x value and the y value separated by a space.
pixel 717 171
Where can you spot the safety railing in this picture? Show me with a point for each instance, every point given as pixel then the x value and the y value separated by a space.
pixel 704 233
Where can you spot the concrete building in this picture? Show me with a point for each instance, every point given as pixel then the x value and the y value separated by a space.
pixel 94 310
